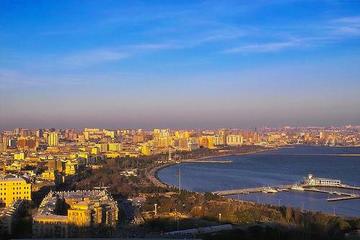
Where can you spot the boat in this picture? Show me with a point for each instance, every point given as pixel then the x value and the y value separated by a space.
pixel 269 190
pixel 282 189
pixel 297 188
pixel 311 180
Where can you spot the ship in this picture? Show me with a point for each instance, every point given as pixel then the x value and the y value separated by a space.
pixel 297 188
pixel 311 180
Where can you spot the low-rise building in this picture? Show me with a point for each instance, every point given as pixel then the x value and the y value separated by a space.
pixel 61 214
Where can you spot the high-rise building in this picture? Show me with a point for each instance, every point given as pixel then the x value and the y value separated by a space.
pixel 55 165
pixel 11 143
pixel 26 143
pixel 39 133
pixel 53 139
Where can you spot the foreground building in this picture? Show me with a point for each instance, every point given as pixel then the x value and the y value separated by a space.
pixel 65 214
pixel 12 188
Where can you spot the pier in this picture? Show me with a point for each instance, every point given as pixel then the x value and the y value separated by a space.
pixel 300 187
pixel 310 184
pixel 352 196
pixel 252 190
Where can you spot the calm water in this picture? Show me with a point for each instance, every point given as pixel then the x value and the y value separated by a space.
pixel 284 166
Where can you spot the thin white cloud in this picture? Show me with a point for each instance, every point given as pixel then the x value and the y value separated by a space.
pixel 330 32
pixel 153 46
pixel 221 34
pixel 93 57
pixel 346 26
pixel 99 56
pixel 264 47
pixel 348 20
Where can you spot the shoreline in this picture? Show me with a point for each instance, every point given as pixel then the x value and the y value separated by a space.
pixel 157 169
pixel 153 172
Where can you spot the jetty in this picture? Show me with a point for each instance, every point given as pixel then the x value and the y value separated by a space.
pixel 252 190
pixel 292 187
pixel 352 196
pixel 311 184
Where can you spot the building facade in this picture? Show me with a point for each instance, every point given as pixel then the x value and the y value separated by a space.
pixel 53 139
pixel 14 188
pixel 234 140
pixel 64 214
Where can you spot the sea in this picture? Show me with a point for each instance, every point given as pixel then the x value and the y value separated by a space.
pixel 288 165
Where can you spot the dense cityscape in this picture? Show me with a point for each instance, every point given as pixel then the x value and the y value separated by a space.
pixel 43 171
pixel 201 119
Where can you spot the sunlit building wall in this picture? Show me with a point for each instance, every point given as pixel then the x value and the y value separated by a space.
pixel 234 140
pixel 53 139
pixel 13 188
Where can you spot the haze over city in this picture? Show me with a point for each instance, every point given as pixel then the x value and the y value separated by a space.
pixel 179 64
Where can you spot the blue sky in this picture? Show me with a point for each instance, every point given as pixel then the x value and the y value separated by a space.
pixel 200 64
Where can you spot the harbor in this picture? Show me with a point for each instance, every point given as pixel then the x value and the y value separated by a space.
pixel 332 187
pixel 254 177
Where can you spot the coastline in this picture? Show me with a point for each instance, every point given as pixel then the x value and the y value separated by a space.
pixel 324 209
pixel 153 172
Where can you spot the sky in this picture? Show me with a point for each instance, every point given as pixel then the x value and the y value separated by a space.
pixel 179 64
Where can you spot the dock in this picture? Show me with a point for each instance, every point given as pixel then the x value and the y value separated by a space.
pixel 291 187
pixel 310 184
pixel 312 189
pixel 251 190
pixel 353 196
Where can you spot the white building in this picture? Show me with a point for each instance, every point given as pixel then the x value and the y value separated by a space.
pixel 234 140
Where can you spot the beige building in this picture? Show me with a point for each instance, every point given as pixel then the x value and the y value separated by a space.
pixel 234 140
pixel 64 214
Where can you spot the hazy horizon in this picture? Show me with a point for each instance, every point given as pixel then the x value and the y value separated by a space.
pixel 195 64
pixel 256 128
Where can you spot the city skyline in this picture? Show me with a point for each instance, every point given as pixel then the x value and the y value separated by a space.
pixel 201 64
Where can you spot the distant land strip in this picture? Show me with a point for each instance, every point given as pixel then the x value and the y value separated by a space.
pixel 319 154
